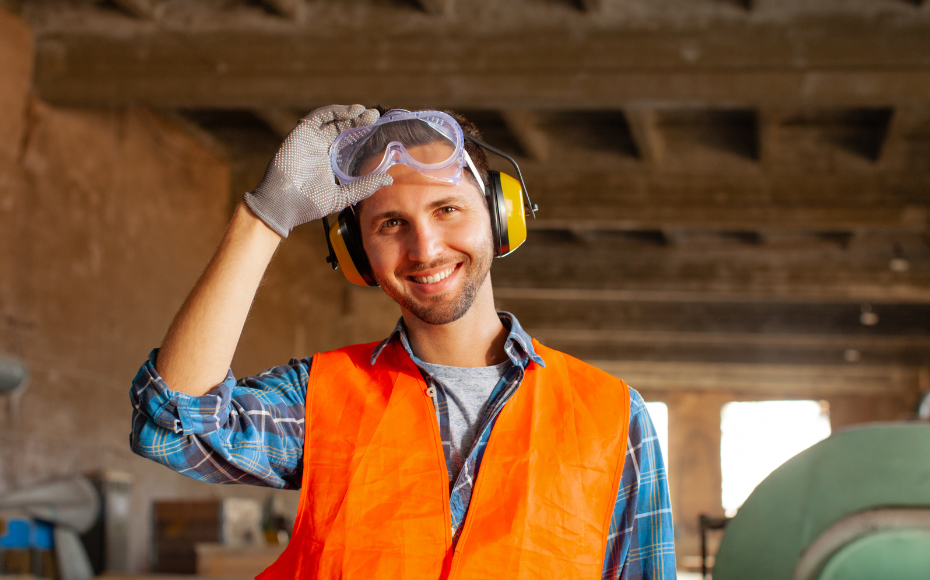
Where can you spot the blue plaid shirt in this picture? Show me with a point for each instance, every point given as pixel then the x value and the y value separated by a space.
pixel 252 431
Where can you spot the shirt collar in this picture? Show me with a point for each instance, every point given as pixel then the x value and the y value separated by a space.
pixel 518 346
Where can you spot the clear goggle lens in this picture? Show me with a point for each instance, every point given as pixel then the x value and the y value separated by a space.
pixel 430 142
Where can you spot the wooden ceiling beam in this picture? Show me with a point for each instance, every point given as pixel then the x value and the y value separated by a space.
pixel 644 128
pixel 437 7
pixel 768 381
pixel 811 219
pixel 280 121
pixel 768 128
pixel 904 325
pixel 904 124
pixel 291 9
pixel 637 271
pixel 143 9
pixel 524 126
pixel 854 63
pixel 766 333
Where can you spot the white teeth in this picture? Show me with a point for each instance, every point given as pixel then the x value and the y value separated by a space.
pixel 435 277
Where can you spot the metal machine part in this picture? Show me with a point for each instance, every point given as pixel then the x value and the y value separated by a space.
pixel 72 505
pixel 860 492
pixel 13 374
pixel 923 410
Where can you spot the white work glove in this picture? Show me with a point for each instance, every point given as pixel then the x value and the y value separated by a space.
pixel 299 185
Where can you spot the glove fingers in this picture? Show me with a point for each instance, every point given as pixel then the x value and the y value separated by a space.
pixel 368 117
pixel 331 113
pixel 366 187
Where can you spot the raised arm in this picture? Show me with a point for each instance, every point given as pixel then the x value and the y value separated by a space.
pixel 202 339
pixel 298 187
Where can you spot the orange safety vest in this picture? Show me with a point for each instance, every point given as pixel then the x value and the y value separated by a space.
pixel 375 495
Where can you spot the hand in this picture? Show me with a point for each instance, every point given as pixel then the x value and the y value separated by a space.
pixel 299 185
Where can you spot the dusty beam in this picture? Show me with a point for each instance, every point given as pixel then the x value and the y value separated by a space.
pixel 912 220
pixel 524 125
pixel 280 121
pixel 145 9
pixel 603 272
pixel 436 6
pixel 294 9
pixel 803 381
pixel 846 63
pixel 644 127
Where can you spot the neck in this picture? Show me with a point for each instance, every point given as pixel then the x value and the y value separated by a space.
pixel 474 340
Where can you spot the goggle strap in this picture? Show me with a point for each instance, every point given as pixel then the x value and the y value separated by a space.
pixel 529 204
pixel 474 171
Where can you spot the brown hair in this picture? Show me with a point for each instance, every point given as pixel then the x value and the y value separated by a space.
pixel 415 134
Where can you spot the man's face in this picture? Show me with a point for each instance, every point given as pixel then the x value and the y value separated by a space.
pixel 429 244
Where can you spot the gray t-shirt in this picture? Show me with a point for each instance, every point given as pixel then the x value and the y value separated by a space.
pixel 467 392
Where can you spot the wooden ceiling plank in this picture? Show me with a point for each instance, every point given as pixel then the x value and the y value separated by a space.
pixel 844 63
pixel 716 292
pixel 280 120
pixel 524 125
pixel 805 381
pixel 893 148
pixel 437 7
pixel 768 121
pixel 644 128
pixel 603 217
pixel 143 9
pixel 291 9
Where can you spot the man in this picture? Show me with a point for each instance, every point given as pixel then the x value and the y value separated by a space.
pixel 457 447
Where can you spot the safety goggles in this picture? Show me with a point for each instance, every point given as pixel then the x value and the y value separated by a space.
pixel 430 142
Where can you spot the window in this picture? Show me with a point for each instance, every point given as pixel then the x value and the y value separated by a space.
pixel 659 414
pixel 758 437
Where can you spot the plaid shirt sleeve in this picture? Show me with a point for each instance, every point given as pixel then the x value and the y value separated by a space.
pixel 248 431
pixel 641 540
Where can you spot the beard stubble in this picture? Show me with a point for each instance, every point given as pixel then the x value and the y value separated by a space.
pixel 438 310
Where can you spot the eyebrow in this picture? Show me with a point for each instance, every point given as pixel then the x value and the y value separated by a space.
pixel 393 214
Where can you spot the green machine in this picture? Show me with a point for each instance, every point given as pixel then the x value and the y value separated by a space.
pixel 856 506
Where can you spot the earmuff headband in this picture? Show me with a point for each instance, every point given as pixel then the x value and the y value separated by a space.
pixel 529 204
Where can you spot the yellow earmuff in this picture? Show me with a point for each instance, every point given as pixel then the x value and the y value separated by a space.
pixel 345 249
pixel 508 221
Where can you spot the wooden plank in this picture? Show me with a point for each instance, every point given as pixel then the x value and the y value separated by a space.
pixel 144 9
pixel 711 291
pixel 644 128
pixel 281 121
pixel 228 562
pixel 438 7
pixel 524 125
pixel 909 220
pixel 845 62
pixel 768 381
pixel 293 9
pixel 902 321
pixel 708 270
pixel 807 340
pixel 733 347
pixel 769 121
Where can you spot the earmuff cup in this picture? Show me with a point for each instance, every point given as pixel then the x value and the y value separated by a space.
pixel 508 229
pixel 345 238
pixel 508 217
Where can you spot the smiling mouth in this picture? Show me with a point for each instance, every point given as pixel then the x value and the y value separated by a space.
pixel 435 278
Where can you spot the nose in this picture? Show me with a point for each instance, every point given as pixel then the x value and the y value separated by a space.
pixel 424 242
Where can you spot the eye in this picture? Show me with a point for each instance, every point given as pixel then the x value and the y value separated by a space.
pixel 448 209
pixel 391 223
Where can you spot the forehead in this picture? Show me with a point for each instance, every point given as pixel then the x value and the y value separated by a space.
pixel 414 192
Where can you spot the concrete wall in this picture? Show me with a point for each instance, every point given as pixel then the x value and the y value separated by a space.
pixel 107 218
